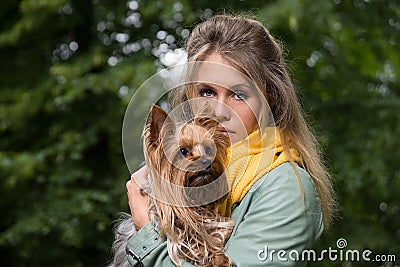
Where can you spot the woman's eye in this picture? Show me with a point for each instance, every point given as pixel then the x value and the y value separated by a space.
pixel 184 151
pixel 206 93
pixel 240 95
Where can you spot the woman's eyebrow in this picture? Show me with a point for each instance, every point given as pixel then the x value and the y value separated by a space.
pixel 226 86
pixel 239 86
pixel 205 84
pixel 242 86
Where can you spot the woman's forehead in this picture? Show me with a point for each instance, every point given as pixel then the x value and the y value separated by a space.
pixel 220 74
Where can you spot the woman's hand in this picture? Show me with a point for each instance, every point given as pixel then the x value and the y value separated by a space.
pixel 138 198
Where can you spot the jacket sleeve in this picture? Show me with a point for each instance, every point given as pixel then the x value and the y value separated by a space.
pixel 275 224
pixel 148 248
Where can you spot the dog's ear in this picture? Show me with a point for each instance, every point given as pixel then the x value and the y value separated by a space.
pixel 157 119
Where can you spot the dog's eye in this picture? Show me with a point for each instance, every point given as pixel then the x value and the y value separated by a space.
pixel 184 151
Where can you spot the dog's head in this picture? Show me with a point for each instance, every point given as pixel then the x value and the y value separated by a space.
pixel 187 154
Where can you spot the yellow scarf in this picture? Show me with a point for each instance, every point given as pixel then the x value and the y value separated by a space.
pixel 249 160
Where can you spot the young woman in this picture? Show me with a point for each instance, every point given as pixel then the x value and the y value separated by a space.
pixel 279 210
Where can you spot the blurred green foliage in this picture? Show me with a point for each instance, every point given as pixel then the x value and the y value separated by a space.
pixel 69 67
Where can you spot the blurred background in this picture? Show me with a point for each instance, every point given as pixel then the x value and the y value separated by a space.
pixel 69 68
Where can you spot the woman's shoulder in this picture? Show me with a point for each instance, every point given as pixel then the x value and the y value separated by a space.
pixel 285 177
pixel 283 190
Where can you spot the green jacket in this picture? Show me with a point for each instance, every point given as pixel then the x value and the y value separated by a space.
pixel 271 217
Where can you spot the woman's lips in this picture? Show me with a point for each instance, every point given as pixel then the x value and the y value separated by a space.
pixel 227 134
pixel 225 131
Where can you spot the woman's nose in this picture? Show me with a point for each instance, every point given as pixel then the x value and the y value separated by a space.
pixel 222 111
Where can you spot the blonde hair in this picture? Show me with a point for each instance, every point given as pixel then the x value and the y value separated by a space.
pixel 248 46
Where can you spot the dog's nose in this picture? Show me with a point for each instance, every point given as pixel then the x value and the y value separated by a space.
pixel 206 163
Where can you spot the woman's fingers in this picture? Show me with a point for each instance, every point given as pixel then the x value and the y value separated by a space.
pixel 140 176
pixel 138 198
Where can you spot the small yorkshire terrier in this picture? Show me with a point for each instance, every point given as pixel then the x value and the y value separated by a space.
pixel 186 163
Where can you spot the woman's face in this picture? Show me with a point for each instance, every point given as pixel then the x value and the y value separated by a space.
pixel 235 101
